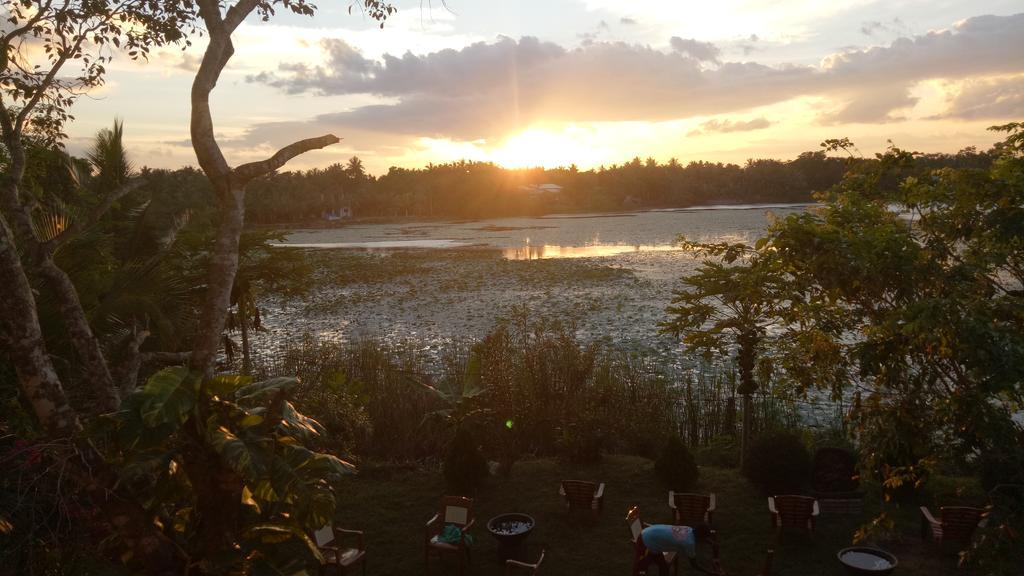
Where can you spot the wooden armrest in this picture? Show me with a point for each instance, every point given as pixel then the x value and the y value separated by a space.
pixel 518 564
pixel 431 523
pixel 928 515
pixel 468 525
pixel 815 511
pixel 600 491
pixel 360 543
pixel 771 505
pixel 711 505
pixel 672 499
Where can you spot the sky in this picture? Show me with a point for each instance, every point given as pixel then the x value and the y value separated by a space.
pixel 585 82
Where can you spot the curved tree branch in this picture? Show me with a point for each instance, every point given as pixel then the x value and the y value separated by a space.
pixel 246 172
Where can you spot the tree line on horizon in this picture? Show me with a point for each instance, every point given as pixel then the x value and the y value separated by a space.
pixel 467 189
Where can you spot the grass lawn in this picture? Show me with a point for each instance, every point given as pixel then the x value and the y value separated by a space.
pixel 392 508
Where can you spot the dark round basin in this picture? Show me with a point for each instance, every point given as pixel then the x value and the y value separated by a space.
pixel 864 561
pixel 510 530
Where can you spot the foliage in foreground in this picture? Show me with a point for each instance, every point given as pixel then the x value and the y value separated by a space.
pixel 225 469
pixel 903 289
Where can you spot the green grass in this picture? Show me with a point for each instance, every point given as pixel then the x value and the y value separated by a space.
pixel 391 506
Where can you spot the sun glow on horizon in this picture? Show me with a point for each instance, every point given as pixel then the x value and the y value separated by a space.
pixel 542 147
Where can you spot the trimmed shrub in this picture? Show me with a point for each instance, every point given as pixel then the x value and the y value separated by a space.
pixel 778 462
pixel 581 443
pixel 675 466
pixel 834 470
pixel 1005 465
pixel 721 452
pixel 464 465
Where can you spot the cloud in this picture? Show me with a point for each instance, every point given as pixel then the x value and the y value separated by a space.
pixel 490 89
pixel 749 46
pixel 724 126
pixel 874 105
pixel 702 51
pixel 877 27
pixel 625 20
pixel 986 99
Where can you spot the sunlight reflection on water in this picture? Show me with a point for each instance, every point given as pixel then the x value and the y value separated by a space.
pixel 593 251
pixel 379 245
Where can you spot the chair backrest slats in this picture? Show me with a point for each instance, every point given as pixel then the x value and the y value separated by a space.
pixel 579 492
pixel 959 522
pixel 691 508
pixel 794 511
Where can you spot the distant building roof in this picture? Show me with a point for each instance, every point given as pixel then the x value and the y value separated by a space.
pixel 542 188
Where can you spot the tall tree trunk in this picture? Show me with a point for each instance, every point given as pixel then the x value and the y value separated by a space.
pixel 23 338
pixel 748 422
pixel 229 184
pixel 40 254
pixel 93 364
pixel 220 279
pixel 217 487
pixel 747 358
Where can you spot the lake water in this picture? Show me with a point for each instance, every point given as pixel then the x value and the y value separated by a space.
pixel 611 275
pixel 557 236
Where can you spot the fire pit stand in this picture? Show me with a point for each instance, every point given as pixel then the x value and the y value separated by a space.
pixel 510 530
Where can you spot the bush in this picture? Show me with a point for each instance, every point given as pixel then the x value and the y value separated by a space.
pixel 1003 466
pixel 834 470
pixel 778 462
pixel 941 490
pixel 581 443
pixel 675 466
pixel 464 465
pixel 721 452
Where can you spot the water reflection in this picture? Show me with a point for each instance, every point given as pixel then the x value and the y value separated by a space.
pixel 381 244
pixel 546 251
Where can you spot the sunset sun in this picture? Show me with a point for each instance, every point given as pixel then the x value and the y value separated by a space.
pixel 542 147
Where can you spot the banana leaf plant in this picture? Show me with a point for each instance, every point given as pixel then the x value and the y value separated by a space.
pixel 223 467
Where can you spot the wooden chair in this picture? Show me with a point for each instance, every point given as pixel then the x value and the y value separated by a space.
pixel 581 495
pixel 329 541
pixel 457 511
pixel 956 524
pixel 522 567
pixel 716 563
pixel 789 511
pixel 691 509
pixel 636 526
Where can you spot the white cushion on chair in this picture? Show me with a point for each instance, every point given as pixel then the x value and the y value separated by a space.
pixel 324 535
pixel 456 515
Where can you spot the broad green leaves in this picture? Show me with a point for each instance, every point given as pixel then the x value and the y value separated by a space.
pixel 169 396
pixel 241 440
pixel 260 389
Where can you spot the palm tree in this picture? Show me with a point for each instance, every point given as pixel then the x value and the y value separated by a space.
pixel 118 263
pixel 354 168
